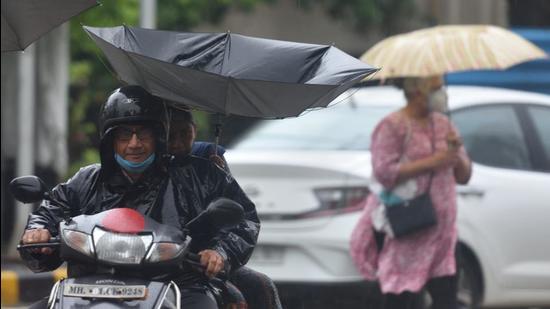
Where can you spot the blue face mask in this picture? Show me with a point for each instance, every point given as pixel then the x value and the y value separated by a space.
pixel 132 167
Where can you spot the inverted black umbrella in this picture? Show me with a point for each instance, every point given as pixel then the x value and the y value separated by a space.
pixel 24 21
pixel 230 74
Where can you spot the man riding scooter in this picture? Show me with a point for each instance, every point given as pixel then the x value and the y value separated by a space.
pixel 134 173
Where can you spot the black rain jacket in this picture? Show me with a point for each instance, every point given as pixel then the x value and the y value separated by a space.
pixel 172 195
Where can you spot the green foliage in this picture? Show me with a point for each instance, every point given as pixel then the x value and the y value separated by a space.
pixel 204 129
pixel 89 156
pixel 91 81
pixel 361 14
pixel 182 15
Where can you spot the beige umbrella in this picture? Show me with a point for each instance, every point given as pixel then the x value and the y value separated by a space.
pixel 444 49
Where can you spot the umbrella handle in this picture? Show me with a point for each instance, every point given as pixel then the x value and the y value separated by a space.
pixel 217 132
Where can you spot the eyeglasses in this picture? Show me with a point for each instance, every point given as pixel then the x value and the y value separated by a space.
pixel 125 134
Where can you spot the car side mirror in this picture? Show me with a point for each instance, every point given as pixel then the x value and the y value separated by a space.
pixel 221 213
pixel 28 189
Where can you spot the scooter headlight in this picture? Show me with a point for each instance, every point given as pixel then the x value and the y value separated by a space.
pixel 120 248
pixel 163 251
pixel 79 241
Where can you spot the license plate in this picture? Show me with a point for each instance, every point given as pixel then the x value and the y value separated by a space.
pixel 105 291
pixel 267 255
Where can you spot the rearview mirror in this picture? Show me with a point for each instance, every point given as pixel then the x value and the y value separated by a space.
pixel 221 213
pixel 28 189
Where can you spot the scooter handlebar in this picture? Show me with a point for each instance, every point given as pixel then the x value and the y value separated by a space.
pixel 195 260
pixel 54 242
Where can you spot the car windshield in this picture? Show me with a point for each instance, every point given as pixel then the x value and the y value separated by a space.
pixel 345 126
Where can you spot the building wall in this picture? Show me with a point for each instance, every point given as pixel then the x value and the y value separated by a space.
pixel 474 12
pixel 286 20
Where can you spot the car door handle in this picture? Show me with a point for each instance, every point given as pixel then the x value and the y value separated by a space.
pixel 470 191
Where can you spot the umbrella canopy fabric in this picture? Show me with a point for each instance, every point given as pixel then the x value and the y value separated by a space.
pixel 25 21
pixel 230 74
pixel 444 49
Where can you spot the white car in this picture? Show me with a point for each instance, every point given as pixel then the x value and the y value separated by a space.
pixel 309 175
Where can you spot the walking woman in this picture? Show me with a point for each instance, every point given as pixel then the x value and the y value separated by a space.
pixel 418 147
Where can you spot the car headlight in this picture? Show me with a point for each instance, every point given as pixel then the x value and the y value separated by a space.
pixel 79 241
pixel 120 248
pixel 163 251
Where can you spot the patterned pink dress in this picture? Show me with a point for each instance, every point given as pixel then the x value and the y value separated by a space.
pixel 407 263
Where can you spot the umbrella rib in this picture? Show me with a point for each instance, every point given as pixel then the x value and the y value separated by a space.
pixel 13 31
pixel 350 80
pixel 227 41
pixel 106 66
pixel 91 35
pixel 143 80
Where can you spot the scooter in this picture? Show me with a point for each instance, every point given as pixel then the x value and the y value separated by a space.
pixel 134 256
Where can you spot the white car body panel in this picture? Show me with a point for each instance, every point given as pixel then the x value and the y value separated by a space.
pixel 500 231
pixel 503 214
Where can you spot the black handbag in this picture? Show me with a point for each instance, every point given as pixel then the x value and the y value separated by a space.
pixel 412 215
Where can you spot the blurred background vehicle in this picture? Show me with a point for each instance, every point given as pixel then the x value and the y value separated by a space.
pixel 309 177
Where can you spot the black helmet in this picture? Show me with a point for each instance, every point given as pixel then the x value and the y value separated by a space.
pixel 131 105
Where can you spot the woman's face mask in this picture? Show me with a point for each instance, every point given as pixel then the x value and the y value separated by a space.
pixel 437 101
